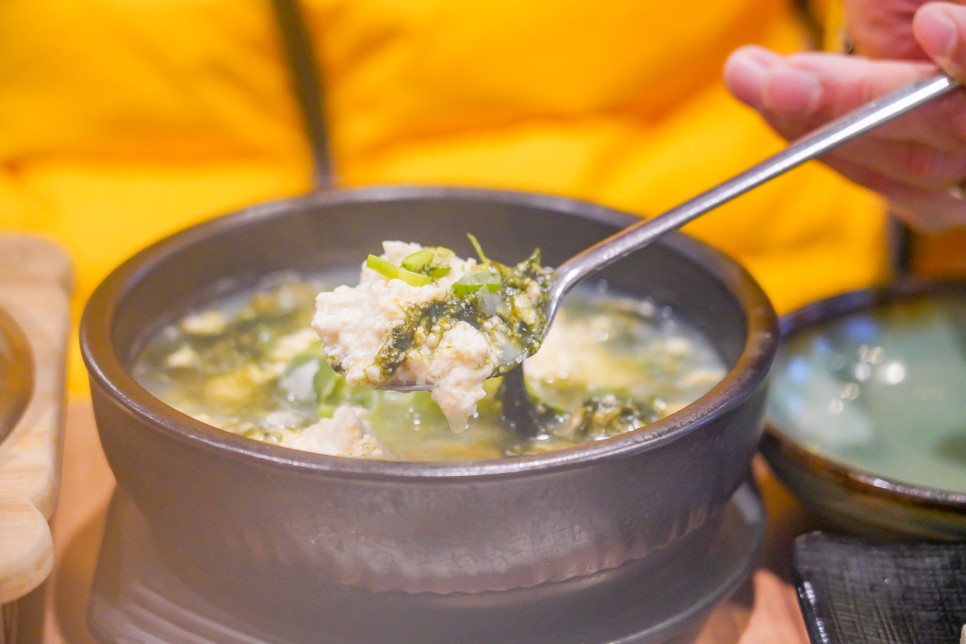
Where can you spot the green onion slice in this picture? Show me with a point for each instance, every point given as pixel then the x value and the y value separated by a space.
pixel 478 248
pixel 419 260
pixel 473 282
pixel 391 271
pixel 428 261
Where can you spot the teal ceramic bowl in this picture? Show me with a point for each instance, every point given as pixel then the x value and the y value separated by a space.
pixel 867 411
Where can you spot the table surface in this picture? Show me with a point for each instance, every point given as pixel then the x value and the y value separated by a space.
pixel 764 609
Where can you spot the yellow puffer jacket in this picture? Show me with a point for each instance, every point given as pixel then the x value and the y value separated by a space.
pixel 121 122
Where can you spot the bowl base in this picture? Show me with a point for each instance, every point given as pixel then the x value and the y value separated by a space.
pixel 136 593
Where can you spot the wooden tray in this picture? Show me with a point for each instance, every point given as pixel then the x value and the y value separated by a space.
pixel 35 286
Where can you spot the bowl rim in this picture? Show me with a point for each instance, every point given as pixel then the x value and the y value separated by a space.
pixel 107 373
pixel 778 443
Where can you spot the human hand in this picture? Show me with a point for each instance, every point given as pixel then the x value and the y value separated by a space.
pixel 918 161
pixel 883 28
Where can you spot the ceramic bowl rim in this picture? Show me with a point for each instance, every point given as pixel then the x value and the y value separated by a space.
pixel 106 371
pixel 854 478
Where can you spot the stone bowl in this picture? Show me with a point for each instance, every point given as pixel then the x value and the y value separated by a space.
pixel 246 518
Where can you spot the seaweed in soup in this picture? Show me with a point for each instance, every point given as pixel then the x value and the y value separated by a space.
pixel 251 364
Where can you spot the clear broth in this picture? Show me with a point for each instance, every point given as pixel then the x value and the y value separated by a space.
pixel 248 364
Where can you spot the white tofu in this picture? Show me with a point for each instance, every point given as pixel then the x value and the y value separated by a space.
pixel 207 323
pixel 286 348
pixel 560 358
pixel 355 322
pixel 347 433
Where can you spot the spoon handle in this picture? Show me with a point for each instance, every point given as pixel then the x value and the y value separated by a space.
pixel 814 144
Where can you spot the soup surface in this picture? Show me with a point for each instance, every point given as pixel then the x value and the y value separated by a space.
pixel 251 364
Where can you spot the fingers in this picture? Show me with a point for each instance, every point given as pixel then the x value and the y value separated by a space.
pixel 913 161
pixel 925 209
pixel 940 28
pixel 813 85
pixel 883 28
pixel 931 211
pixel 798 93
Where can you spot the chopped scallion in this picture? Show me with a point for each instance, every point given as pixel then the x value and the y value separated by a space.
pixel 391 271
pixel 473 282
pixel 429 261
pixel 419 260
pixel 478 248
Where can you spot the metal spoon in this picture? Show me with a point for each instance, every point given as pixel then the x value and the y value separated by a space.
pixel 518 412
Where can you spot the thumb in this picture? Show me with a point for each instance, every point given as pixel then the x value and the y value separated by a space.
pixel 940 28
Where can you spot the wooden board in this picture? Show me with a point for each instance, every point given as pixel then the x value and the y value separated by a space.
pixel 35 286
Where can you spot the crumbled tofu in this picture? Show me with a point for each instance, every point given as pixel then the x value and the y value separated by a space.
pixel 184 357
pixel 347 433
pixel 229 390
pixel 559 361
pixel 701 378
pixel 287 347
pixel 678 346
pixel 452 360
pixel 457 367
pixel 207 323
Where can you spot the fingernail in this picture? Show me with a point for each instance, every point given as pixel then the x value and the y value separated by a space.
pixel 792 90
pixel 745 75
pixel 937 32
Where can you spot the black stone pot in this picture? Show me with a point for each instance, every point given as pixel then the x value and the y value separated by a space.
pixel 260 521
